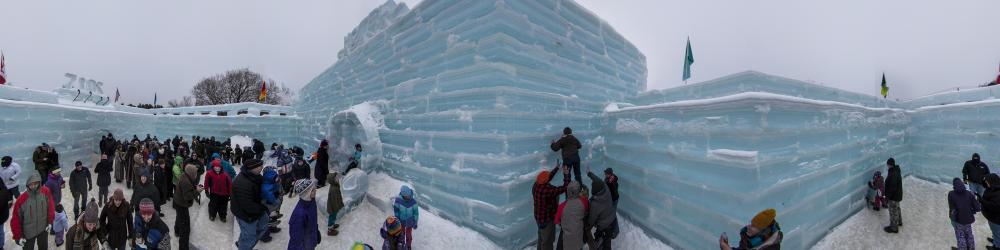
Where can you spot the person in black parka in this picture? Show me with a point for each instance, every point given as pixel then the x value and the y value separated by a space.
pixel 570 148
pixel 894 194
pixel 322 167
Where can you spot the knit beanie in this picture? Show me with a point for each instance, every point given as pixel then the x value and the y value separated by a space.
pixel 146 206
pixel 303 187
pixel 542 177
pixel 609 171
pixel 91 215
pixel 393 226
pixel 252 164
pixel 764 218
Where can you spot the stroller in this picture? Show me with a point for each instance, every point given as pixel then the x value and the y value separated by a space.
pixel 875 199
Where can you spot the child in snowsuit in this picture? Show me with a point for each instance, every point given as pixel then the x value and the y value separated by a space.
pixel 303 226
pixel 271 192
pixel 393 236
pixel 60 225
pixel 55 183
pixel 406 210
pixel 876 192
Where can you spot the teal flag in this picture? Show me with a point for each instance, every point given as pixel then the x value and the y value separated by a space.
pixel 688 60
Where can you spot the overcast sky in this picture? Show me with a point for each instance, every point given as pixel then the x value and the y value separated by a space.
pixel 143 47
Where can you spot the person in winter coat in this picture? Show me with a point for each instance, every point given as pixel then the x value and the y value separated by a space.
pixel 962 209
pixel 219 187
pixel 258 149
pixel 60 224
pixel 86 235
pixel 136 169
pixel 41 159
pixel 570 218
pixel 303 227
pixel 545 198
pixel 237 154
pixel 990 203
pixel 33 214
pixel 570 148
pixel 144 188
pixel 103 170
pixel 10 172
pixel 300 169
pixel 80 183
pixel 392 235
pixel 406 210
pixel 55 183
pixel 611 180
pixel 973 173
pixel 5 200
pixel 357 156
pixel 334 203
pixel 763 233
pixel 151 233
pixel 271 191
pixel 187 191
pixel 894 194
pixel 175 171
pixel 322 167
pixel 247 204
pixel 116 221
pixel 603 216
pixel 160 179
pixel 228 168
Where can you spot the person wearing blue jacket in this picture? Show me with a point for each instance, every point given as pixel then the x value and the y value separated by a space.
pixel 303 225
pixel 150 232
pixel 271 193
pixel 962 209
pixel 405 208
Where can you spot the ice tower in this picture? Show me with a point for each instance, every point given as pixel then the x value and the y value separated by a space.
pixel 473 92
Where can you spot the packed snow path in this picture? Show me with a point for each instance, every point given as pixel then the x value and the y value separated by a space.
pixel 925 223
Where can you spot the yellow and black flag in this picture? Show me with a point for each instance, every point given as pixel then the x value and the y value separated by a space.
pixel 885 88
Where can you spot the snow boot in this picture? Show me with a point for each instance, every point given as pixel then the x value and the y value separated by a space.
pixel 891 230
pixel 266 239
pixel 223 219
pixel 274 229
pixel 211 218
pixel 332 232
pixel 335 226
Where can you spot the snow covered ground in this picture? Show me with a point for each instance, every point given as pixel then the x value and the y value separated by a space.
pixel 925 223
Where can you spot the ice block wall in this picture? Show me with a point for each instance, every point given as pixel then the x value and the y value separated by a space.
pixel 943 137
pixel 75 131
pixel 474 91
pixel 693 169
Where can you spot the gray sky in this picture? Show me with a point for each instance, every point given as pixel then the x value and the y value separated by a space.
pixel 140 47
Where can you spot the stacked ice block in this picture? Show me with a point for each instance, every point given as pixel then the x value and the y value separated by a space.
pixel 474 92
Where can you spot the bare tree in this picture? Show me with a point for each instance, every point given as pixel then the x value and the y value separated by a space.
pixel 240 85
pixel 186 101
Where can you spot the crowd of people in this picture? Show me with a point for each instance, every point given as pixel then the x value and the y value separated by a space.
pixel 587 216
pixel 177 173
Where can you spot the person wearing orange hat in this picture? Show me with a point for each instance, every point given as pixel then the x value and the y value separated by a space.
pixel 762 233
pixel 545 197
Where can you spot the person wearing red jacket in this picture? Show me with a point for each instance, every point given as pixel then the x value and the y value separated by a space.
pixel 219 187
pixel 33 213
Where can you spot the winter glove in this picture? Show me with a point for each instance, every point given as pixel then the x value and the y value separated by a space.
pixel 48 228
pixel 20 242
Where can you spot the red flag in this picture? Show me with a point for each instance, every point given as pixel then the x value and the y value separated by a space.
pixel 3 70
pixel 263 91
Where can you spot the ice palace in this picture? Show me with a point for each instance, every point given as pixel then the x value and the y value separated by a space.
pixel 460 98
